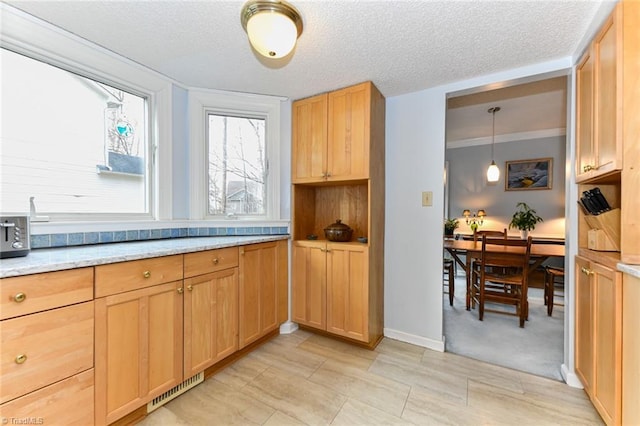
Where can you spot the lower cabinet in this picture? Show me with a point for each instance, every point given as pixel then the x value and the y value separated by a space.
pixel 261 276
pixel 67 402
pixel 210 319
pixel 599 336
pixel 331 287
pixel 138 348
pixel 309 289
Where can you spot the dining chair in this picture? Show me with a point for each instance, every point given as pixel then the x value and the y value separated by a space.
pixel 553 286
pixel 448 278
pixel 474 264
pixel 503 276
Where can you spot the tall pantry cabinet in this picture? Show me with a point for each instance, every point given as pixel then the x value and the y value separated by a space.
pixel 338 173
pixel 608 158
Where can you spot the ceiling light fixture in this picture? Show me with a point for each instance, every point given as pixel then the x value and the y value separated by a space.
pixel 493 172
pixel 272 26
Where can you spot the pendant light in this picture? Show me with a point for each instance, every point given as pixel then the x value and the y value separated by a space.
pixel 493 172
pixel 273 26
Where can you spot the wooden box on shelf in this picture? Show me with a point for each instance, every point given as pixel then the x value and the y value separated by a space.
pixel 604 232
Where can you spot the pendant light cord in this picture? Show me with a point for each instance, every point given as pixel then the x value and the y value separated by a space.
pixel 493 111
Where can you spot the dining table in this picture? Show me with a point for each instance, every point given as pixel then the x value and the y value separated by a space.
pixel 473 250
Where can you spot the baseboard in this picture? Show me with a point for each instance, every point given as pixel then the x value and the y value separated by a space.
pixel 436 345
pixel 570 378
pixel 288 327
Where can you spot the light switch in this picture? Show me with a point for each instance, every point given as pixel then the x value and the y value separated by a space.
pixel 427 198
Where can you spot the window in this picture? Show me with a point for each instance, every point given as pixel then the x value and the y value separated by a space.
pixel 237 167
pixel 77 145
pixel 235 147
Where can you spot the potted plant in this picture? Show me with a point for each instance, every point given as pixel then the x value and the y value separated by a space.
pixel 524 219
pixel 449 226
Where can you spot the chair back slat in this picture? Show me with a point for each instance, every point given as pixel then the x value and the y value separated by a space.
pixel 505 252
pixel 478 235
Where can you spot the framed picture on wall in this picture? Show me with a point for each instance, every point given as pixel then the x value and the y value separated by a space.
pixel 525 175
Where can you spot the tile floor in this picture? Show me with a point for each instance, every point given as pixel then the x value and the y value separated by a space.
pixel 303 378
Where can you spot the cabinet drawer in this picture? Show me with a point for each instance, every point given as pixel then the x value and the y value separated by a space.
pixel 126 276
pixel 68 402
pixel 43 348
pixel 208 261
pixel 39 292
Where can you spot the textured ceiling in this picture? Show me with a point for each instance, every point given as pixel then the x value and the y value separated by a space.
pixel 402 46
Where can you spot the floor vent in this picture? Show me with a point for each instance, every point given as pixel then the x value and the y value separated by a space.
pixel 175 392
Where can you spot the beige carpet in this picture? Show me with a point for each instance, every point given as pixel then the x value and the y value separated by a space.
pixel 537 348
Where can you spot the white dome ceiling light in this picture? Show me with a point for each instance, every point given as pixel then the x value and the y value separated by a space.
pixel 273 27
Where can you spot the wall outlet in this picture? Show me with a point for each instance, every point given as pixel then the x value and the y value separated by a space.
pixel 427 198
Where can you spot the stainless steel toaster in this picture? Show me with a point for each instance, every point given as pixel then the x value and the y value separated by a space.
pixel 16 237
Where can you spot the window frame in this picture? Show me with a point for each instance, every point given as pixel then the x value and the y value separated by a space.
pixel 26 35
pixel 204 102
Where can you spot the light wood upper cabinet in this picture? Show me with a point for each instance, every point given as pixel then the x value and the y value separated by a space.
pixel 606 78
pixel 210 319
pixel 332 135
pixel 348 291
pixel 309 290
pixel 599 336
pixel 260 290
pixel 585 157
pixel 348 135
pixel 309 156
pixel 138 348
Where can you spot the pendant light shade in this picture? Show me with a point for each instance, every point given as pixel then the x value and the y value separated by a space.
pixel 273 27
pixel 493 172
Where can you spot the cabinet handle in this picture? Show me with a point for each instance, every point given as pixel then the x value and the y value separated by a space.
pixel 328 175
pixel 216 261
pixel 18 298
pixel 180 290
pixel 586 271
pixel 587 168
pixel 146 274
pixel 20 359
pixel 190 287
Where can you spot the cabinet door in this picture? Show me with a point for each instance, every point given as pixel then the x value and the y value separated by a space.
pixel 309 151
pixel 348 291
pixel 138 348
pixel 210 319
pixel 606 392
pixel 584 117
pixel 257 294
pixel 608 114
pixel 308 284
pixel 349 133
pixel 584 323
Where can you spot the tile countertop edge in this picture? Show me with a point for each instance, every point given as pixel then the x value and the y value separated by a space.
pixel 633 270
pixel 58 259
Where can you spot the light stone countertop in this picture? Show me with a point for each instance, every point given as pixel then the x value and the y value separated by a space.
pixel 629 269
pixel 57 259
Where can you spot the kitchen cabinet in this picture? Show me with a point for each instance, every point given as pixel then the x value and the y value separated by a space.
pixel 607 132
pixel 332 288
pixel 600 86
pixel 262 289
pixel 630 350
pixel 309 294
pixel 210 308
pixel 332 134
pixel 348 291
pixel 139 334
pixel 309 156
pixel 599 336
pixel 352 189
pixel 47 335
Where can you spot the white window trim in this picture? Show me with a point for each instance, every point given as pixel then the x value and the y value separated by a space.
pixel 40 40
pixel 202 102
